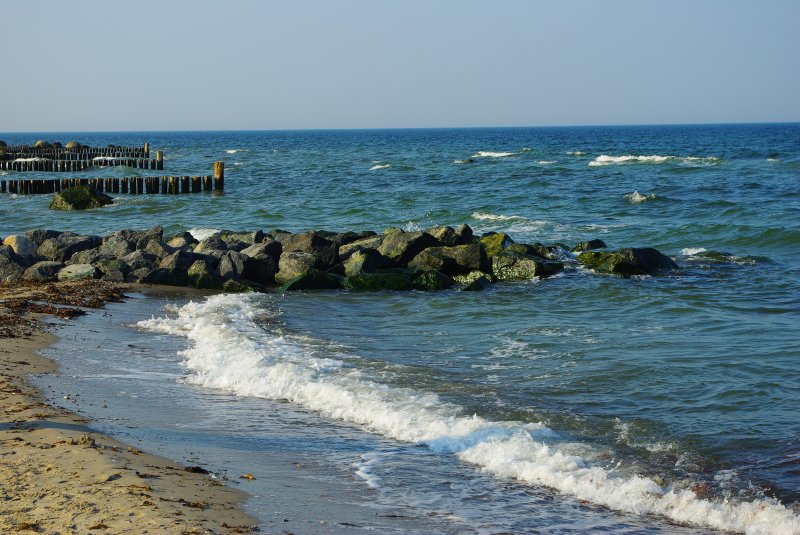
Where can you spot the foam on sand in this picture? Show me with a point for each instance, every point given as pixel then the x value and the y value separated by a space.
pixel 231 351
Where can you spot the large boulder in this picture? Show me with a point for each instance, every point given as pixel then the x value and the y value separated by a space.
pixel 79 198
pixel 457 260
pixel 261 261
pixel 232 265
pixel 629 261
pixel 210 245
pixel 238 286
pixel 364 261
pixel 181 240
pixel 38 236
pixel 293 264
pixel 241 240
pixel 313 279
pixel 431 281
pixel 22 246
pixel 43 271
pixel 62 248
pixel 589 245
pixel 315 243
pixel 179 260
pixel 369 242
pixel 374 282
pixel 112 269
pixel 451 237
pixel 402 247
pixel 140 259
pixel 77 272
pixel 139 238
pixel 116 247
pixel 201 275
pixel 515 266
pixel 12 266
pixel 158 249
pixel 496 242
pixel 88 256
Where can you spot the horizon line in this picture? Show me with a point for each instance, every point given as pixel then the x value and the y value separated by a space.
pixel 351 129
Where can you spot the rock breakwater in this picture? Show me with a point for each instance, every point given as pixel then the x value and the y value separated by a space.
pixel 434 259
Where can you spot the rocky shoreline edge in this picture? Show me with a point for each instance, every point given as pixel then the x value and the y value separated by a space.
pixel 254 261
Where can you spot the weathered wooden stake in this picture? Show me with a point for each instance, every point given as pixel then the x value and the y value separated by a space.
pixel 219 176
pixel 159 159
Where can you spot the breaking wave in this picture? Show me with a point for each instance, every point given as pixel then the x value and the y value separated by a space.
pixel 604 160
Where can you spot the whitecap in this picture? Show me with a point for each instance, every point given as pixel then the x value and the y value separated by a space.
pixel 576 153
pixel 490 154
pixel 229 350
pixel 459 162
pixel 232 151
pixel 412 227
pixel 691 251
pixel 636 197
pixel 605 159
pixel 545 162
pixel 201 234
pixel 33 159
pixel 526 149
pixel 379 166
pixel 485 216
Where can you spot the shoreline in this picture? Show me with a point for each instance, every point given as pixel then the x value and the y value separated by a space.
pixel 58 475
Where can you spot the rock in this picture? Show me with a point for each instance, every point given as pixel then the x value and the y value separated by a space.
pixel 114 268
pixel 116 247
pixel 313 279
pixel 237 286
pixel 374 282
pixel 65 245
pixel 77 272
pixel 41 144
pixel 496 242
pixel 89 256
pixel 166 277
pixel 446 236
pixel 402 247
pixel 364 261
pixel 241 240
pixel 589 245
pixel 370 242
pixel 261 262
pixel 139 238
pixel 472 276
pixel 139 275
pixel 179 260
pixel 629 261
pixel 231 265
pixel 138 260
pixel 293 264
pixel 182 240
pixel 57 145
pixel 201 275
pixel 12 266
pixel 477 285
pixel 22 246
pixel 457 260
pixel 157 248
pixel 79 198
pixel 432 259
pixel 346 238
pixel 3 143
pixel 43 271
pixel 315 243
pixel 431 281
pixel 515 266
pixel 38 236
pixel 72 145
pixel 212 243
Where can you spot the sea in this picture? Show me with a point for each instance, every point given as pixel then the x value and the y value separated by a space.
pixel 579 403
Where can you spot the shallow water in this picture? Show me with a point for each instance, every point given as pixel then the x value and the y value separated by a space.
pixel 600 403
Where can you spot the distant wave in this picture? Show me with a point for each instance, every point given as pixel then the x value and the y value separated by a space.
pixel 379 166
pixel 459 162
pixel 545 162
pixel 576 153
pixel 234 151
pixel 490 154
pixel 636 197
pixel 691 251
pixel 526 149
pixel 484 216
pixel 604 159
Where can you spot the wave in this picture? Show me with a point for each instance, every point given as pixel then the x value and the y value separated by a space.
pixel 576 153
pixel 229 351
pixel 379 166
pixel 691 251
pixel 490 154
pixel 637 198
pixel 201 234
pixel 545 162
pixel 234 151
pixel 459 162
pixel 485 216
pixel 604 160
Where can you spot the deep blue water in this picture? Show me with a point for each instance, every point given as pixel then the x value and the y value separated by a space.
pixel 688 379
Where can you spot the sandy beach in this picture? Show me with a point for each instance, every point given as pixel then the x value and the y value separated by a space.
pixel 56 474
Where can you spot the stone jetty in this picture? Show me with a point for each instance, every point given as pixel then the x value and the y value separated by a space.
pixel 254 261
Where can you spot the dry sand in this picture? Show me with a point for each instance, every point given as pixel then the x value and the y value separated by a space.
pixel 56 475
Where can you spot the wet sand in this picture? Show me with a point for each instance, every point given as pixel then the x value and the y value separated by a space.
pixel 56 474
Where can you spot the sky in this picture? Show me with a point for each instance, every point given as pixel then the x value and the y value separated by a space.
pixel 304 64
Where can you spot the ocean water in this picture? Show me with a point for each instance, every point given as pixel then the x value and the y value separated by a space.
pixel 578 403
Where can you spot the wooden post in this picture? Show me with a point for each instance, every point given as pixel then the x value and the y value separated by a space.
pixel 159 159
pixel 219 176
pixel 173 185
pixel 196 184
pixel 184 184
pixel 147 150
pixel 207 183
pixel 2 184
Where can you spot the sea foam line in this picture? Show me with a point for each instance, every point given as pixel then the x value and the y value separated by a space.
pixel 230 351
pixel 604 160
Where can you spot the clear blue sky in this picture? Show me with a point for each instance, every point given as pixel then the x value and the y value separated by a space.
pixel 197 65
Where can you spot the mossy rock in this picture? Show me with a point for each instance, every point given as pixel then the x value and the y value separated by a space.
pixel 72 145
pixel 376 282
pixel 472 276
pixel 512 265
pixel 201 276
pixel 313 279
pixel 629 261
pixel 589 245
pixel 431 281
pixel 238 286
pixel 477 285
pixel 79 198
pixel 495 243
pixel 41 144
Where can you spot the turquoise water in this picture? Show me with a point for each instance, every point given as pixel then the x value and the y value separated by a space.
pixel 690 381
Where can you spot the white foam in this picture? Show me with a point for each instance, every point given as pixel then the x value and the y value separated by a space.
pixel 545 162
pixel 637 198
pixel 604 159
pixel 576 153
pixel 691 251
pixel 411 226
pixel 108 158
pixel 485 216
pixel 458 162
pixel 231 352
pixel 490 154
pixel 379 166
pixel 32 159
pixel 231 151
pixel 201 234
